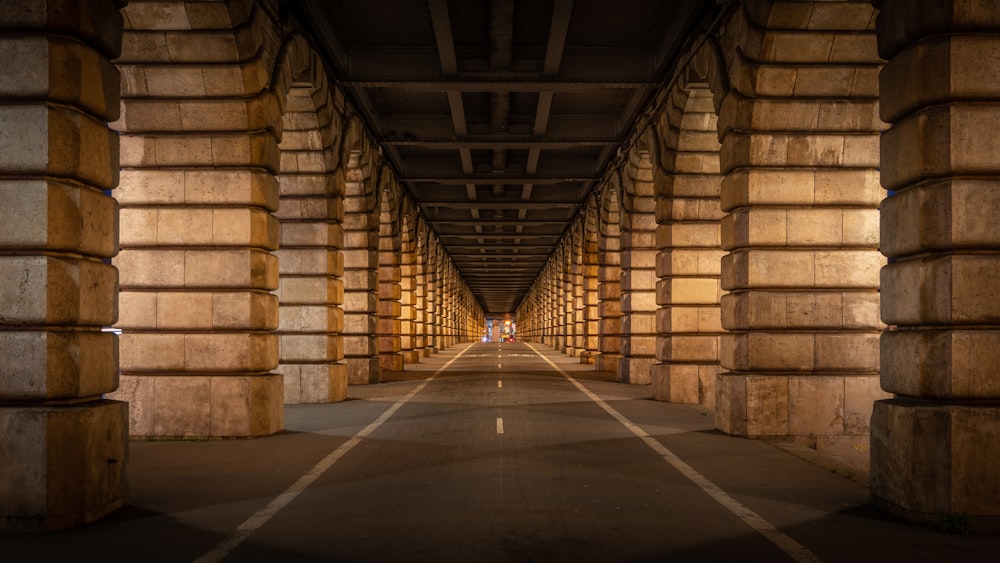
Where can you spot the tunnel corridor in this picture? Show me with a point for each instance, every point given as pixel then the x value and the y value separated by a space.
pixel 495 452
pixel 779 215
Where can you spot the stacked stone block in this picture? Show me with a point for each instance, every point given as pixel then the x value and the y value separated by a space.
pixel 563 300
pixel 310 259
pixel 638 272
pixel 688 321
pixel 432 277
pixel 407 288
pixel 589 260
pixel 198 191
pixel 550 304
pixel 63 449
pixel 799 131
pixel 389 278
pixel 420 291
pixel 609 308
pixel 360 271
pixel 447 305
pixel 935 444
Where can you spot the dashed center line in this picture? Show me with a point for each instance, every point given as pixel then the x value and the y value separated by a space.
pixel 794 549
pixel 262 516
pixel 499 425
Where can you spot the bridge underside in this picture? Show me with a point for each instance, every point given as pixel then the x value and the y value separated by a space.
pixel 488 463
pixel 782 212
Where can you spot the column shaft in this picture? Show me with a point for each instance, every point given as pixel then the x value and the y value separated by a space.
pixel 64 448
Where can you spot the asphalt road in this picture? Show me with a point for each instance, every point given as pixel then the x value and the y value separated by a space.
pixel 492 453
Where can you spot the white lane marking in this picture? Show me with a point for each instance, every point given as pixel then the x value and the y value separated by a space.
pixel 794 549
pixel 499 426
pixel 499 384
pixel 261 517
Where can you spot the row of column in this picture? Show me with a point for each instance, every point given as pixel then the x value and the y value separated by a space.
pixel 235 196
pixel 232 231
pixel 771 297
pixel 737 241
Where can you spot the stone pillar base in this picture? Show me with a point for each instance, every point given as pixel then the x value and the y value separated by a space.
pixel 762 405
pixel 62 466
pixel 362 371
pixel 827 412
pixel 314 383
pixel 220 406
pixel 936 463
pixel 391 362
pixel 635 371
pixel 411 357
pixel 688 384
pixel 606 362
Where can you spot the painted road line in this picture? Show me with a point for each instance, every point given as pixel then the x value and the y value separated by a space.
pixel 794 549
pixel 499 426
pixel 261 517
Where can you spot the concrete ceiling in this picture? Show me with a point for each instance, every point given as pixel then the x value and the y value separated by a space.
pixel 500 116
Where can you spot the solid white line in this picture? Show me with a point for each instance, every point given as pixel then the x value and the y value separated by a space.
pixel 499 426
pixel 794 549
pixel 259 518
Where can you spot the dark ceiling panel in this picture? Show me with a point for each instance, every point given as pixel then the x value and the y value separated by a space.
pixel 500 116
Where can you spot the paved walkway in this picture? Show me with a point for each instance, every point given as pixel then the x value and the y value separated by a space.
pixel 490 452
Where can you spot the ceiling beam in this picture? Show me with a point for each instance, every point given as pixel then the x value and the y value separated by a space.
pixel 495 82
pixel 546 250
pixel 498 236
pixel 512 222
pixel 498 178
pixel 501 142
pixel 485 204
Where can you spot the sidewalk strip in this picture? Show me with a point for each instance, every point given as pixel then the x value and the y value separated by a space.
pixel 259 518
pixel 794 549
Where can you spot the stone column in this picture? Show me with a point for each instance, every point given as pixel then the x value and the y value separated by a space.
pixel 525 317
pixel 420 291
pixel 447 307
pixel 198 192
pixel 638 273
pixel 800 159
pixel 609 307
pixel 576 281
pixel 935 445
pixel 310 261
pixel 551 306
pixel 432 278
pixel 360 274
pixel 561 299
pixel 567 282
pixel 440 281
pixel 389 288
pixel 591 316
pixel 64 448
pixel 407 286
pixel 689 322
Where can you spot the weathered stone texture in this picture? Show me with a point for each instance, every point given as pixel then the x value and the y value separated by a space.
pixel 63 447
pixel 934 447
